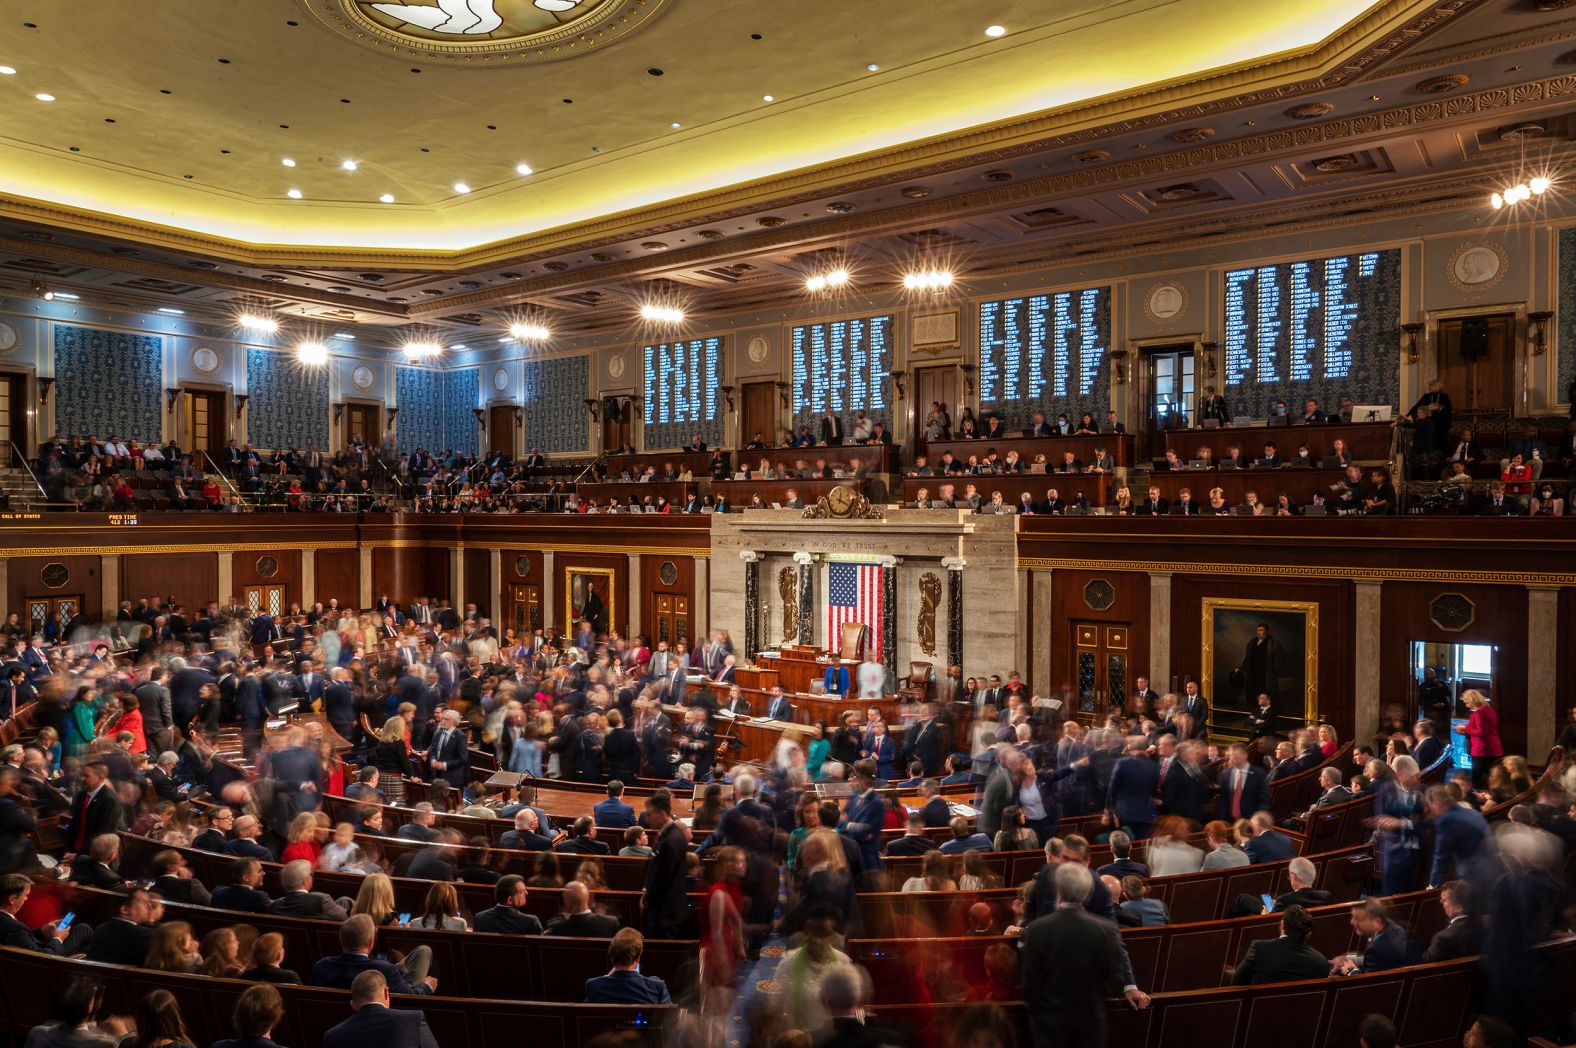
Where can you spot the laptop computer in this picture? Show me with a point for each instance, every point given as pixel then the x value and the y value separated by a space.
pixel 1331 462
pixel 1278 420
pixel 1037 467
pixel 1210 423
pixel 1241 420
pixel 1197 464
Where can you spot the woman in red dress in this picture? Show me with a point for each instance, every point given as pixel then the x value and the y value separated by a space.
pixel 722 931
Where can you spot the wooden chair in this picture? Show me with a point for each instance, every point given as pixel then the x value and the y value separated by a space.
pixel 853 641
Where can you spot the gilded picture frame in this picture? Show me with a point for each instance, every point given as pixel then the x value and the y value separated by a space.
pixel 579 584
pixel 1230 624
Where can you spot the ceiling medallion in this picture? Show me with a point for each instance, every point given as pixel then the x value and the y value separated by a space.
pixel 603 256
pixel 1439 85
pixel 997 176
pixel 654 245
pixel 1177 193
pixel 711 234
pixel 1522 132
pixel 916 192
pixel 555 267
pixel 771 222
pixel 1331 164
pixel 481 34
pixel 1091 156
pixel 1309 110
pixel 205 360
pixel 841 207
pixel 1189 135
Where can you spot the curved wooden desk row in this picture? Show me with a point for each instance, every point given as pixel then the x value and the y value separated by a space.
pixel 1431 1004
pixel 1189 897
pixel 207 1003
pixel 1168 959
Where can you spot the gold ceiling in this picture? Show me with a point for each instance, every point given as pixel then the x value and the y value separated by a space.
pixel 172 120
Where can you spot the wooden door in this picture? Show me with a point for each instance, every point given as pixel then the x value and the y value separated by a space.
pixel 362 424
pixel 933 385
pixel 57 608
pixel 1168 395
pixel 13 419
pixel 672 618
pixel 202 423
pixel 525 609
pixel 1100 665
pixel 618 427
pixel 1477 361
pixel 758 413
pixel 500 430
pixel 264 598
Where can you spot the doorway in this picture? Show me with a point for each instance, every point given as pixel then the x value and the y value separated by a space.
pixel 500 430
pixel 1477 360
pixel 264 598
pixel 1168 391
pixel 57 609
pixel 937 384
pixel 363 424
pixel 1440 674
pixel 13 418
pixel 758 413
pixel 618 428
pixel 1100 667
pixel 203 423
pixel 525 609
pixel 671 620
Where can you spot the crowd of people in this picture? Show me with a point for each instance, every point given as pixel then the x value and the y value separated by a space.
pixel 738 857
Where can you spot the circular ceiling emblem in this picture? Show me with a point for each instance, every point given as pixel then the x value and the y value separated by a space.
pixel 205 360
pixel 757 349
pixel 1165 301
pixel 501 380
pixel 616 365
pixel 8 337
pixel 1477 266
pixel 54 575
pixel 363 377
pixel 267 567
pixel 483 33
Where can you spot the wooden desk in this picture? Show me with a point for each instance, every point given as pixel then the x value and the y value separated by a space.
pixel 758 738
pixel 810 710
pixel 699 462
pixel 1119 445
pixel 758 678
pixel 1268 484
pixel 1365 441
pixel 796 667
pixel 674 491
pixel 740 492
pixel 877 458
pixel 1098 488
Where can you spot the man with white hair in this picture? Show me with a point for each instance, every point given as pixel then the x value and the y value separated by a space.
pixel 526 835
pixel 299 900
pixel 449 754
pixel 1302 873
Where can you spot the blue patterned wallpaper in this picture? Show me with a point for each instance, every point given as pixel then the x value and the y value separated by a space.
pixel 1565 322
pixel 555 393
pixel 460 431
pixel 287 401
pixel 418 395
pixel 108 382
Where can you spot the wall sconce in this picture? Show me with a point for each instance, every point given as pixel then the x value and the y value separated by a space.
pixel 1411 331
pixel 1209 348
pixel 519 416
pixel 43 389
pixel 897 378
pixel 1539 323
pixel 727 394
pixel 240 404
pixel 637 406
pixel 481 417
pixel 968 379
pixel 782 393
pixel 339 412
pixel 170 396
pixel 594 406
pixel 392 413
pixel 1119 366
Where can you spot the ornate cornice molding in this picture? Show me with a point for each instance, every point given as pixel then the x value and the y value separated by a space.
pixel 1507 578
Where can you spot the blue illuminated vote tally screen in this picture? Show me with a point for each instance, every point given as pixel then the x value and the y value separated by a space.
pixel 1043 346
pixel 841 365
pixel 682 380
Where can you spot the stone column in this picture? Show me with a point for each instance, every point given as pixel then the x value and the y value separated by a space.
pixel 1160 633
pixel 226 577
pixel 1367 660
pixel 1543 645
pixel 752 601
pixel 549 585
pixel 1020 645
pixel 889 619
pixel 954 566
pixel 495 587
pixel 109 582
pixel 701 616
pixel 634 598
pixel 308 578
pixel 456 580
pixel 806 597
pixel 1045 637
pixel 364 575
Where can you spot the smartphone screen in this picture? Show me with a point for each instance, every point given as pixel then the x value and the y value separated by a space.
pixel 1269 901
pixel 65 922
pixel 404 918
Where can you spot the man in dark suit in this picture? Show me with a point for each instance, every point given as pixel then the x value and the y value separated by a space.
pixel 526 835
pixel 1389 946
pixel 1144 698
pixel 1195 705
pixel 245 894
pixel 1263 718
pixel 779 708
pixel 299 900
pixel 1153 506
pixel 1242 788
pixel 244 843
pixel 450 754
pixel 1268 844
pixel 1135 780
pixel 865 814
pixel 1302 873
pixel 624 984
pixel 582 839
pixel 1185 789
pixel 831 429
pixel 507 915
pixel 95 810
pixel 664 906
pixel 621 757
pixel 342 970
pixel 914 841
pixel 373 1024
pixel 1463 936
pixel 1428 749
pixel 98 868
pixel 1284 959
pixel 614 812
pixel 578 921
pixel 843 996
pixel 936 811
pixel 1072 961
pixel 173 879
pixel 125 938
pixel 1462 843
pixel 926 741
pixel 62 942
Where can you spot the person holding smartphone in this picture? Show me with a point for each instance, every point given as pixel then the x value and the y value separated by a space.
pixel 63 938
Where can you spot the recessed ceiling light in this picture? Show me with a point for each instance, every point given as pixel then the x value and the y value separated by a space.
pixel 662 314
pixel 348 165
pixel 530 332
pixel 42 97
pixel 995 31
pixel 675 125
pixel 461 187
pixel 458 345
pixel 254 322
pixel 522 169
pixel 873 67
pixel 7 71
pixel 172 311
pixel 347 336
pixel 767 98
pixel 287 162
pixel 68 295
pixel 386 198
pixel 293 193
pixel 419 350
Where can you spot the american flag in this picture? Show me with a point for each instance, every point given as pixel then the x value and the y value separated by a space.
pixel 853 594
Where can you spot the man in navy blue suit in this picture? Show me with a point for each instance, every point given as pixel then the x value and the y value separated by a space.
pixel 613 811
pixel 1461 840
pixel 779 707
pixel 1389 946
pixel 1242 789
pixel 865 814
pixel 1135 781
pixel 1268 843
pixel 624 984
pixel 373 1024
pixel 345 969
pixel 450 754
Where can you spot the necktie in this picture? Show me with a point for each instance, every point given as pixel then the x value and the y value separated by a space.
pixel 1236 795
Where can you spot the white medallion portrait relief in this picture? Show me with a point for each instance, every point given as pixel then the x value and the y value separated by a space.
pixel 757 350
pixel 616 365
pixel 1477 266
pixel 1165 301
pixel 9 337
pixel 500 380
pixel 204 359
pixel 362 378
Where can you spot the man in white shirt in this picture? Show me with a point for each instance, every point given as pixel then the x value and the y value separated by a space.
pixel 870 679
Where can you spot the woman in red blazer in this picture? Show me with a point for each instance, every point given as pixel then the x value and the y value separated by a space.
pixel 1482 732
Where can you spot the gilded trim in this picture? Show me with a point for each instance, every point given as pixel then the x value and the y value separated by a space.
pixel 1310 626
pixel 1505 578
pixel 102 550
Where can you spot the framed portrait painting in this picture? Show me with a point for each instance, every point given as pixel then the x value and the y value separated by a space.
pixel 589 596
pixel 1254 647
